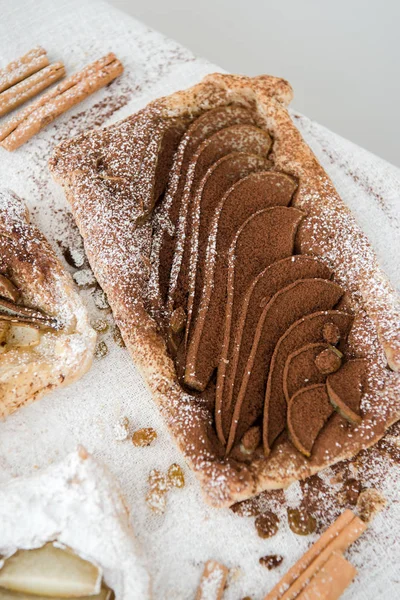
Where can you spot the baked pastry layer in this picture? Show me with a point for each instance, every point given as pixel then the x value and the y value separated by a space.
pixel 61 355
pixel 80 506
pixel 114 178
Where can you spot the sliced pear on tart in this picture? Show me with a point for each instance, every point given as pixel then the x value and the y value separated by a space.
pixel 345 389
pixel 308 411
pixel 300 369
pixel 202 128
pixel 237 346
pixel 300 298
pixel 307 330
pixel 253 248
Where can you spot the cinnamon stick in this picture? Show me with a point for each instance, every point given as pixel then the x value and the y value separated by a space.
pixel 331 580
pixel 30 87
pixel 213 581
pixel 26 65
pixel 72 90
pixel 338 537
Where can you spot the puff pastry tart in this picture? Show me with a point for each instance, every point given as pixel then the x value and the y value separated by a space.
pixel 45 337
pixel 246 293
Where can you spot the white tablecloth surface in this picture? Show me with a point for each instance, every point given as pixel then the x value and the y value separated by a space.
pixel 178 543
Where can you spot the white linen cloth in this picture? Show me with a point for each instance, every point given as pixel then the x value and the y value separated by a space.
pixel 178 543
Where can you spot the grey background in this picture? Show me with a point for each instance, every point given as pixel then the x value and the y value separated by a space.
pixel 341 57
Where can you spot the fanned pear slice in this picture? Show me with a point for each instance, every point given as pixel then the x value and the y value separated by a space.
pixel 104 594
pixel 250 194
pixel 218 179
pixel 157 161
pixel 238 341
pixel 300 298
pixel 50 571
pixel 265 237
pixel 8 289
pixel 308 330
pixel 345 389
pixel 238 138
pixel 308 411
pixel 300 369
pixel 202 128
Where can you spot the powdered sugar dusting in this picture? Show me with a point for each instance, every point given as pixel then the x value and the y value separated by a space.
pixel 180 542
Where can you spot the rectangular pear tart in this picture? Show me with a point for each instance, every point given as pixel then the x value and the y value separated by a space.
pixel 245 292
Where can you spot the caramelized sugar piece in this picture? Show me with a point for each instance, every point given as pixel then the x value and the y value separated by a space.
pixel 305 331
pixel 50 571
pixel 345 389
pixel 272 561
pixel 202 128
pixel 308 411
pixel 220 178
pixel 238 343
pixel 265 237
pixel 300 298
pixel 176 477
pixel 144 437
pixel 239 138
pixel 267 525
pixel 300 369
pixel 300 521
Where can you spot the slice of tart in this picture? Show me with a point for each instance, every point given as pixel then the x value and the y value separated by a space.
pixel 245 292
pixel 65 533
pixel 45 337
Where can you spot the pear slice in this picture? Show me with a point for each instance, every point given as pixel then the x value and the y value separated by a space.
pixel 302 297
pixel 345 389
pixel 308 411
pixel 50 571
pixel 23 336
pixel 104 594
pixel 201 129
pixel 8 289
pixel 264 237
pixel 236 349
pixel 308 330
pixel 237 138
